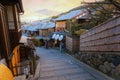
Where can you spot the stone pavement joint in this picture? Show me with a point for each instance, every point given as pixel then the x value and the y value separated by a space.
pixel 54 65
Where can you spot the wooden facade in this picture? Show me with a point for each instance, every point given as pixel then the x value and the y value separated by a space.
pixel 64 22
pixel 60 25
pixel 14 24
pixel 46 32
pixel 43 32
pixel 51 30
pixel 9 31
pixel 4 37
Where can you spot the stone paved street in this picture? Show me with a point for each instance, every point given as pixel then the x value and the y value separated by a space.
pixel 54 65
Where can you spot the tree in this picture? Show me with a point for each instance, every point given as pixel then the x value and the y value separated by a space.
pixel 102 11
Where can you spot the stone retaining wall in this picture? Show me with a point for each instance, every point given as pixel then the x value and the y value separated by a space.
pixel 106 62
pixel 100 47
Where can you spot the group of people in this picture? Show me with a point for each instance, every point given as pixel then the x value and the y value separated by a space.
pixel 52 42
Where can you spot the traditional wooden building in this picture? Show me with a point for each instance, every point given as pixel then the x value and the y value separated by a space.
pixel 13 15
pixel 10 33
pixel 63 22
pixel 47 29
pixel 42 28
pixel 67 23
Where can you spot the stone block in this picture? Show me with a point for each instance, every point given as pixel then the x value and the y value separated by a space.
pixel 102 68
pixel 117 71
pixel 107 66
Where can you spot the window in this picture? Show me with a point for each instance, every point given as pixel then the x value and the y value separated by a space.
pixel 10 17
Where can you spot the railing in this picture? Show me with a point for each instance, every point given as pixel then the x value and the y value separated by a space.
pixel 19 70
pixel 17 67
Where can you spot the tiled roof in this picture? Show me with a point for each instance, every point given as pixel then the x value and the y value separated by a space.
pixel 71 14
pixel 40 25
pixel 45 25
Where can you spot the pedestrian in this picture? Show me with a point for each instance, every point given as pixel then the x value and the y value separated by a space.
pixel 61 43
pixel 55 42
pixel 60 47
pixel 46 44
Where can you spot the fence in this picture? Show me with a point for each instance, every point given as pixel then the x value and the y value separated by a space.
pixel 19 70
pixel 72 44
pixel 21 58
pixel 104 37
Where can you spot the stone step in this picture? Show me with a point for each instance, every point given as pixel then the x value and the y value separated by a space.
pixel 31 77
pixel 21 77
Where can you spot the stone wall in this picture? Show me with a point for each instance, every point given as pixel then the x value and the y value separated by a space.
pixel 72 44
pixel 100 47
pixel 106 62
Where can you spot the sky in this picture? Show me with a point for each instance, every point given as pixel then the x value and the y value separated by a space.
pixel 40 9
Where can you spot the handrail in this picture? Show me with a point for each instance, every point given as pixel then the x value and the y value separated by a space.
pixel 20 65
pixel 21 72
pixel 18 68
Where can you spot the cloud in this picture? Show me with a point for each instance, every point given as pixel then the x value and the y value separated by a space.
pixel 47 12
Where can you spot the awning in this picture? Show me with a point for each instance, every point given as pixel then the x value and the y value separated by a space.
pixel 61 33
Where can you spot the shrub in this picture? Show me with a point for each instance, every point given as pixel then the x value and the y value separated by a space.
pixel 79 32
pixel 37 42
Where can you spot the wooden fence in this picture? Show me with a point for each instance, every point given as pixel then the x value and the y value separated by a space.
pixel 104 37
pixel 72 44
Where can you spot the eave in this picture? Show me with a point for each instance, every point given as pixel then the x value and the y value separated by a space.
pixel 6 2
pixel 9 2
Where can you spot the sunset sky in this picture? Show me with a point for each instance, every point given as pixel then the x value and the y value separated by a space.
pixel 39 9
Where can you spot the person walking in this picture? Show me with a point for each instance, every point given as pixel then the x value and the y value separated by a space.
pixel 61 44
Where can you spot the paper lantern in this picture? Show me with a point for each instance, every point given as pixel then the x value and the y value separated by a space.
pixel 5 73
pixel 60 37
pixel 53 36
pixel 57 36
